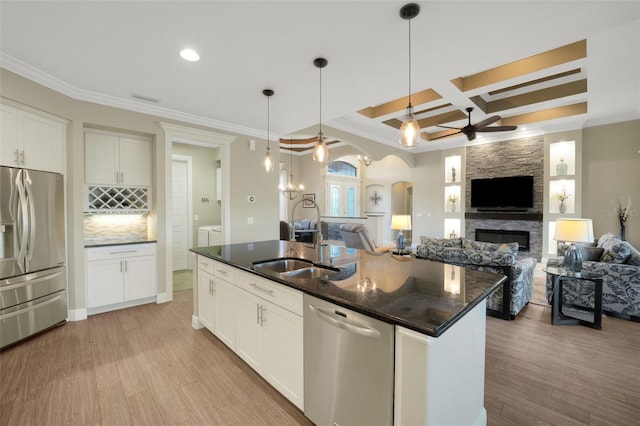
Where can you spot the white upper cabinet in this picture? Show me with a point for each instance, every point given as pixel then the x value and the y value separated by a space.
pixel 32 139
pixel 117 160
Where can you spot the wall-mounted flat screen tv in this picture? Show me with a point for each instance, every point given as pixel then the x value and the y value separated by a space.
pixel 502 193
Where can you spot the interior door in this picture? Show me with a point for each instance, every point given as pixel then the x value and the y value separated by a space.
pixel 179 213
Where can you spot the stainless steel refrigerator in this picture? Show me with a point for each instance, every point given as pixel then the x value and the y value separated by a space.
pixel 33 278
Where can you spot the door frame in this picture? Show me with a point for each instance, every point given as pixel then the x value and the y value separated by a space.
pixel 189 161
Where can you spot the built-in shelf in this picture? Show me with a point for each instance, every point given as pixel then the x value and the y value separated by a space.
pixel 537 217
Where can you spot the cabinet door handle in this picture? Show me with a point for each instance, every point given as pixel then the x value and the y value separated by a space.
pixel 121 265
pixel 121 177
pixel 17 157
pixel 125 265
pixel 262 308
pixel 258 313
pixel 264 290
pixel 22 157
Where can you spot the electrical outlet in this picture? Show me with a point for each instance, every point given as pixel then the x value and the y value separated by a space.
pixel 249 221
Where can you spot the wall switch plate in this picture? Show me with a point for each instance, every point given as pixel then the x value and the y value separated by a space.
pixel 249 221
pixel 251 198
pixel 196 217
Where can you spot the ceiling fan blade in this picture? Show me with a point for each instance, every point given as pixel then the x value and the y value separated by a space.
pixel 497 129
pixel 447 127
pixel 484 123
pixel 445 136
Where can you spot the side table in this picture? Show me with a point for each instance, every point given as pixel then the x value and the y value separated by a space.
pixel 558 317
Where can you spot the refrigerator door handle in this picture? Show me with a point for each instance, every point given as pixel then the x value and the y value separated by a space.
pixel 21 213
pixel 31 308
pixel 24 283
pixel 31 211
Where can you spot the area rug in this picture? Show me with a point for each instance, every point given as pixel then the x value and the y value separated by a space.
pixel 539 294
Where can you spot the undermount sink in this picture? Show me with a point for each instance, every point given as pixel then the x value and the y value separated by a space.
pixel 294 268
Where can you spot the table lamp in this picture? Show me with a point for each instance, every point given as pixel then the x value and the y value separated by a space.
pixel 401 222
pixel 573 230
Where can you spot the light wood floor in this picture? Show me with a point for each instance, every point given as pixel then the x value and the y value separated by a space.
pixel 146 365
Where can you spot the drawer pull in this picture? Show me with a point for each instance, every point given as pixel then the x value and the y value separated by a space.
pixel 264 290
pixel 222 271
pixel 123 251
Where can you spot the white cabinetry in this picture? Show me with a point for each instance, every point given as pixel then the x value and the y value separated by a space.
pixel 113 159
pixel 120 276
pixel 206 299
pixel 225 304
pixel 259 319
pixel 270 333
pixel 31 139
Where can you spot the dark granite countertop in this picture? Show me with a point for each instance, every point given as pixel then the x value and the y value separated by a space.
pixel 418 294
pixel 114 242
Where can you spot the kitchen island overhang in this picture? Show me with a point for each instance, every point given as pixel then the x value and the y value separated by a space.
pixel 417 294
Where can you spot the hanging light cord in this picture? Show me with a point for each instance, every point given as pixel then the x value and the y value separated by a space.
pixel 409 62
pixel 320 101
pixel 268 121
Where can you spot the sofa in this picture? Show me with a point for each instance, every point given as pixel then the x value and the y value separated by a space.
pixel 619 264
pixel 489 257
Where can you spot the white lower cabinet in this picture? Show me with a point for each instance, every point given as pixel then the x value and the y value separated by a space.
pixel 259 320
pixel 270 339
pixel 120 276
pixel 225 312
pixel 206 299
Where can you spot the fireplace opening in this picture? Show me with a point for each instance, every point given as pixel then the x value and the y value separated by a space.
pixel 500 236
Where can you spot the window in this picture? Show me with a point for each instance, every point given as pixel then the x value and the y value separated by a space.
pixel 343 188
pixel 342 168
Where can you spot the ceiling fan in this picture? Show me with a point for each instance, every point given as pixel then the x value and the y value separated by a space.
pixel 482 126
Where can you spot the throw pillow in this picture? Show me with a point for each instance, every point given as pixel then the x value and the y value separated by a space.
pixel 634 258
pixel 593 254
pixel 615 250
pixel 605 239
pixel 511 248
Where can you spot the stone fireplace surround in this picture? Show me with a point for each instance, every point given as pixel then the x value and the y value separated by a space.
pixel 501 159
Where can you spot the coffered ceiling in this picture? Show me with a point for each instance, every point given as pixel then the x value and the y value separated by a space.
pixel 543 66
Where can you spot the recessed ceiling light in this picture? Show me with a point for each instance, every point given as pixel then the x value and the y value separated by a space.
pixel 189 55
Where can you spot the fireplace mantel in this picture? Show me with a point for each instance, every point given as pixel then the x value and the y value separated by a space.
pixel 536 217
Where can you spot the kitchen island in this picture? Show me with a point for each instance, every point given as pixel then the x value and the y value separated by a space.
pixel 437 311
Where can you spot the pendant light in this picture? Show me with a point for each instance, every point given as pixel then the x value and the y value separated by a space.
pixel 267 164
pixel 291 190
pixel 410 129
pixel 320 151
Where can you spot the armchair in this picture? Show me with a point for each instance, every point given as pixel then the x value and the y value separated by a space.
pixel 355 235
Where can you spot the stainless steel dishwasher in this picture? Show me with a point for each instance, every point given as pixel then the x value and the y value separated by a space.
pixel 348 366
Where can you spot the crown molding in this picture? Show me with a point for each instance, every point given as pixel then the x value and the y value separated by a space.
pixel 29 72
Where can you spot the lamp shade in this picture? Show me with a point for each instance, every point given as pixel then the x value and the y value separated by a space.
pixel 401 222
pixel 574 230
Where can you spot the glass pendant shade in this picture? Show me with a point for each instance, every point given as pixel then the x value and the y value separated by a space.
pixel 409 130
pixel 267 164
pixel 320 151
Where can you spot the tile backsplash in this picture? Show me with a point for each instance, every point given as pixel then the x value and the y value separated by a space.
pixel 115 227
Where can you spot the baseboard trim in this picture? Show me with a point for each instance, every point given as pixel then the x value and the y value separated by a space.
pixel 77 314
pixel 164 297
pixel 195 322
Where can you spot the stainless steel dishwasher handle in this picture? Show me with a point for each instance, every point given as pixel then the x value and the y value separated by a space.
pixel 362 331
